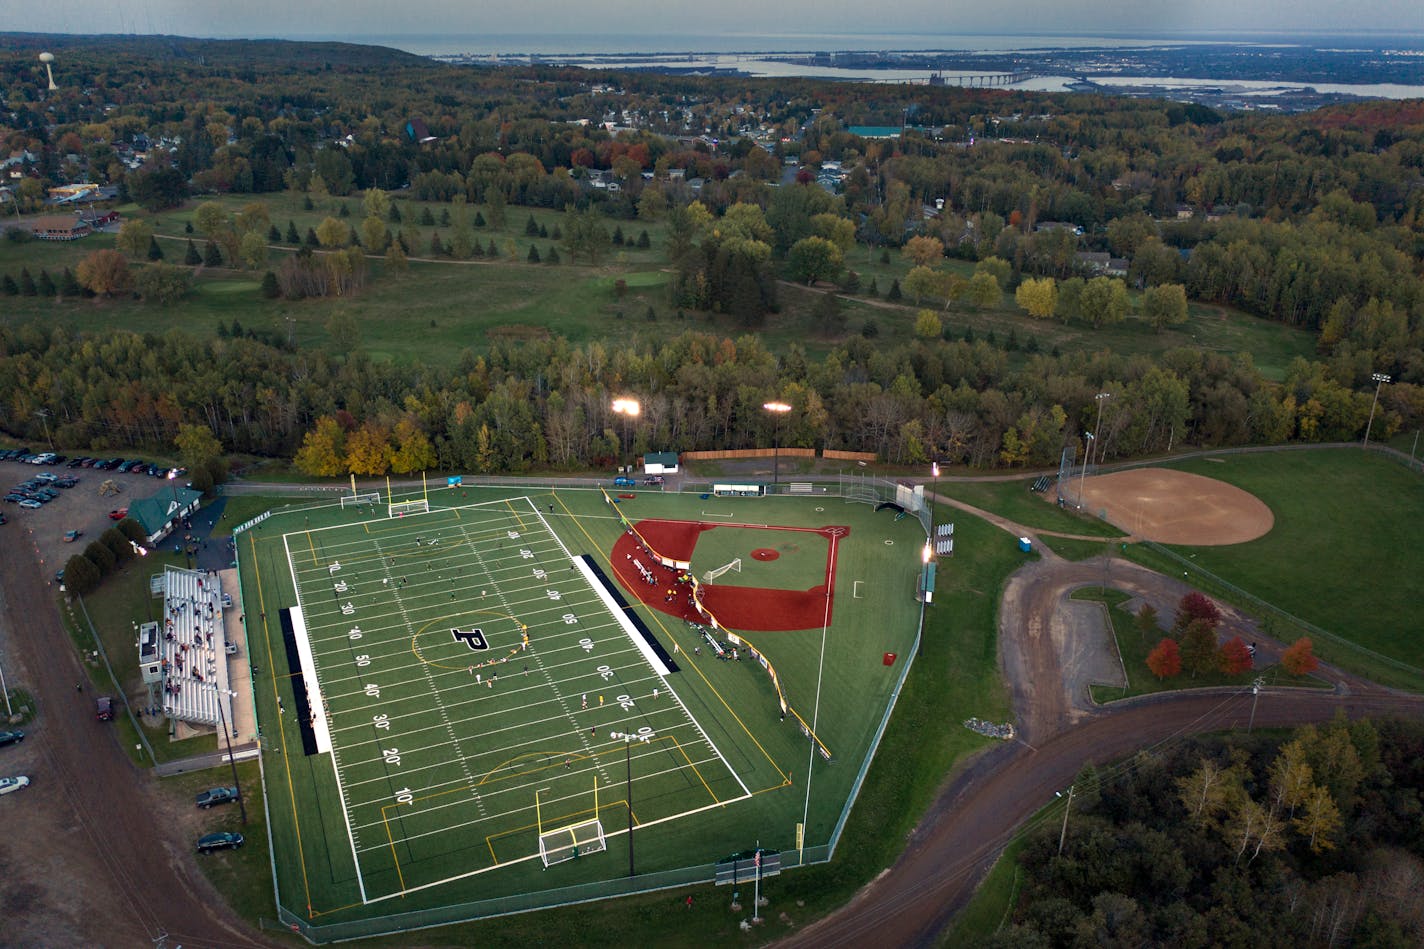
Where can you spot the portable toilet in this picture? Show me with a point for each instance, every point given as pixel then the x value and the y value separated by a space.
pixel 1025 545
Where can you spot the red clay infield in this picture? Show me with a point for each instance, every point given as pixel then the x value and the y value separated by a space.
pixel 750 609
pixel 765 554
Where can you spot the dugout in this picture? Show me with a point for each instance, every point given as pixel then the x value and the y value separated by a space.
pixel 739 490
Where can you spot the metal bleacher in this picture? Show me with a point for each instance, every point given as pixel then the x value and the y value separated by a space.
pixel 193 648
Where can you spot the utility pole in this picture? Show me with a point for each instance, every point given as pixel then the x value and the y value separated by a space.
pixel 1379 380
pixel 1256 687
pixel 44 417
pixel 1063 834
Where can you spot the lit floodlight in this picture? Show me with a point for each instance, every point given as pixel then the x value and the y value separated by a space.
pixel 627 407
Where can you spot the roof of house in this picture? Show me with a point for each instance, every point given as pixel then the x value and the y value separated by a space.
pixel 875 131
pixel 668 459
pixel 154 512
pixel 56 222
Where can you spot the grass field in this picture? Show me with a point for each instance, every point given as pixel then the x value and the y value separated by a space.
pixel 1014 500
pixel 442 787
pixel 573 300
pixel 1336 511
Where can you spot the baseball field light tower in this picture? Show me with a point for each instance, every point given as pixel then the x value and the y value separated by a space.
pixel 629 409
pixel 628 738
pixel 778 410
pixel 1380 379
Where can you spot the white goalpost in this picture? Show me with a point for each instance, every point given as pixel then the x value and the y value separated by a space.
pixel 716 572
pixel 356 500
pixel 402 508
pixel 571 842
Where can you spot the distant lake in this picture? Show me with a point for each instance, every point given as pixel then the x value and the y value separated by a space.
pixel 572 44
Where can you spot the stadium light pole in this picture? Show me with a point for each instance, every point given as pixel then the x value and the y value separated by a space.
pixel 1083 475
pixel 628 740
pixel 934 489
pixel 629 409
pixel 779 410
pixel 1100 398
pixel 1380 379
pixel 227 737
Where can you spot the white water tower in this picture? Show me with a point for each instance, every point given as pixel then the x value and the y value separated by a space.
pixel 48 58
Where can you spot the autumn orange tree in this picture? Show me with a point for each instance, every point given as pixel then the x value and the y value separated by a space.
pixel 1299 658
pixel 1165 660
pixel 1195 606
pixel 105 273
pixel 1234 657
pixel 1199 647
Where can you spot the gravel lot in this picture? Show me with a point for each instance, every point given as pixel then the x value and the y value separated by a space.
pixel 78 508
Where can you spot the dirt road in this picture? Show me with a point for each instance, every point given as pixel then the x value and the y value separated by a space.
pixel 92 854
pixel 988 798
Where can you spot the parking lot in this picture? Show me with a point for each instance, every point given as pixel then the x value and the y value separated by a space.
pixel 79 507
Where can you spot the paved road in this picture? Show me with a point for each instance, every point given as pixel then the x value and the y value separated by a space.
pixel 92 854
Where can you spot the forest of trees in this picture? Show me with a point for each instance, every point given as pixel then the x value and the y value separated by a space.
pixel 1316 221
pixel 1312 840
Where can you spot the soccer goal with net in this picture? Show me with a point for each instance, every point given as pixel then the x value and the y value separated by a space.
pixel 568 843
pixel 716 572
pixel 356 500
pixel 402 508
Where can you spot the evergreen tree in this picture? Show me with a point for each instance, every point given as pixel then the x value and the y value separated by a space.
pixel 969 335
pixel 192 258
pixel 155 253
pixel 531 227
pixel 552 257
pixel 444 217
pixel 352 238
pixel 557 233
pixel 274 236
pixel 533 254
pixel 476 250
pixel 644 242
pixel 27 283
pixel 852 282
pixel 311 240
pixel 870 330
pixel 307 203
pixel 8 286
pixel 426 218
pixel 543 232
pixel 652 314
pixel 885 256
pixel 894 293
pixel 395 216
pixel 479 219
pixel 270 290
pixel 492 252
pixel 618 235
pixel 437 249
pixel 68 285
pixel 212 257
pixel 45 284
pixel 292 236
pixel 344 210
pixel 874 288
pixel 188 227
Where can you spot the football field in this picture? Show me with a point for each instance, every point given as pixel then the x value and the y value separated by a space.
pixel 477 688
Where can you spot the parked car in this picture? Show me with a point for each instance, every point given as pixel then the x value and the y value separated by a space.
pixel 71 536
pixel 622 482
pixel 104 709
pixel 59 575
pixel 14 498
pixel 43 458
pixel 32 504
pixel 11 738
pixel 46 477
pixel 13 784
pixel 76 461
pixel 225 840
pixel 118 514
pixel 66 482
pixel 653 479
pixel 213 796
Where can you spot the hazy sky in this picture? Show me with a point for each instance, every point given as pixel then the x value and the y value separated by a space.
pixel 266 18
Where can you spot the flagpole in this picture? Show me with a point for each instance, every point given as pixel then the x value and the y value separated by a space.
pixel 425 488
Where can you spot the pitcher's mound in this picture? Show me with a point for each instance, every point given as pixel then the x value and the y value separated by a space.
pixel 1174 507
